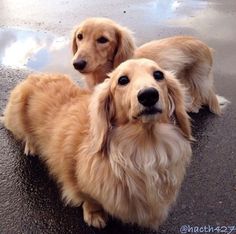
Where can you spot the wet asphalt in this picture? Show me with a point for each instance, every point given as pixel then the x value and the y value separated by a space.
pixel 29 199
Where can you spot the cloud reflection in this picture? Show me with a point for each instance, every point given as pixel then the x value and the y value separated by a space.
pixel 35 50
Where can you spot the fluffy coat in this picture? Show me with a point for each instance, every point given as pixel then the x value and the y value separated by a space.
pixel 99 148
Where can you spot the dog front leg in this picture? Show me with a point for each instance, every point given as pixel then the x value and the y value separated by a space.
pixel 94 215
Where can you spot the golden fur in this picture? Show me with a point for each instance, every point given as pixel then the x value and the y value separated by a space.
pixel 189 58
pixel 98 146
pixel 101 58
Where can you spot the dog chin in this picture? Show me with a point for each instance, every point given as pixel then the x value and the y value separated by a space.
pixel 149 115
pixel 84 72
pixel 87 71
pixel 149 118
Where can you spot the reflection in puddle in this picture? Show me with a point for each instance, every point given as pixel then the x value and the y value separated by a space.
pixel 159 10
pixel 46 52
pixel 40 51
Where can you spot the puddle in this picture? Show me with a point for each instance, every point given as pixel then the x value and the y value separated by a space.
pixel 40 51
pixel 158 10
pixel 44 51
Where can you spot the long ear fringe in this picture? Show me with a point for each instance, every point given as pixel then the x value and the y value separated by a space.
pixel 101 111
pixel 126 46
pixel 177 93
pixel 74 46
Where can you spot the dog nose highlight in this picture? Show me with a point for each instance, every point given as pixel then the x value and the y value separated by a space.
pixel 148 97
pixel 79 65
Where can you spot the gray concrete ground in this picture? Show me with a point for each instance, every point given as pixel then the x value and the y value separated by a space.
pixel 29 199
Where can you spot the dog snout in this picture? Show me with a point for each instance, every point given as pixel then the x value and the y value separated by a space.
pixel 80 64
pixel 148 97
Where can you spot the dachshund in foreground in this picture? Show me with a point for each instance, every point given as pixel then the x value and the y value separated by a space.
pixel 120 150
pixel 99 45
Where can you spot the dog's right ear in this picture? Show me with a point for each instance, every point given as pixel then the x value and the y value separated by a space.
pixel 74 46
pixel 101 112
pixel 125 46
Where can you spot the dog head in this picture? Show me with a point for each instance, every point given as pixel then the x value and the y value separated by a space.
pixel 100 44
pixel 138 92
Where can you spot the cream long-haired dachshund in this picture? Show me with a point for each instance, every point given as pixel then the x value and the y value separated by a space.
pixel 121 150
pixel 99 45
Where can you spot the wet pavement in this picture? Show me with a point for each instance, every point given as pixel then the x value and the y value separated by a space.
pixel 34 35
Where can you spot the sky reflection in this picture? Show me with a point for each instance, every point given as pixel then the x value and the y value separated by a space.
pixel 34 50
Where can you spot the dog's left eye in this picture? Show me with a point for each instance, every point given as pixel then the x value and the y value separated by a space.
pixel 123 80
pixel 158 75
pixel 80 36
pixel 102 40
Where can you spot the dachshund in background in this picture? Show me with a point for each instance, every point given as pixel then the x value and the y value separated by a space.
pixel 99 45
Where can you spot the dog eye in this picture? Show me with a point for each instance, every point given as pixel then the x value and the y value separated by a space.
pixel 102 40
pixel 123 80
pixel 158 75
pixel 80 36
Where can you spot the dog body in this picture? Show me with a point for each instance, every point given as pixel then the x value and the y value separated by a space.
pixel 191 61
pixel 116 149
pixel 189 58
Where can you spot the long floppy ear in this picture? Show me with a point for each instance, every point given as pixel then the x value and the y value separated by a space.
pixel 101 111
pixel 125 46
pixel 177 100
pixel 74 46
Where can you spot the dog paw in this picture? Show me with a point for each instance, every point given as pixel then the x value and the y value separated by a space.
pixel 93 216
pixel 95 219
pixel 70 197
pixel 29 149
pixel 223 102
pixel 193 109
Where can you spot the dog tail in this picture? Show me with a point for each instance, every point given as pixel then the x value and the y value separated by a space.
pixel 223 102
pixel 12 117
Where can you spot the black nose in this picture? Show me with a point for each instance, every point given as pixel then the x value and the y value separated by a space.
pixel 148 97
pixel 80 64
